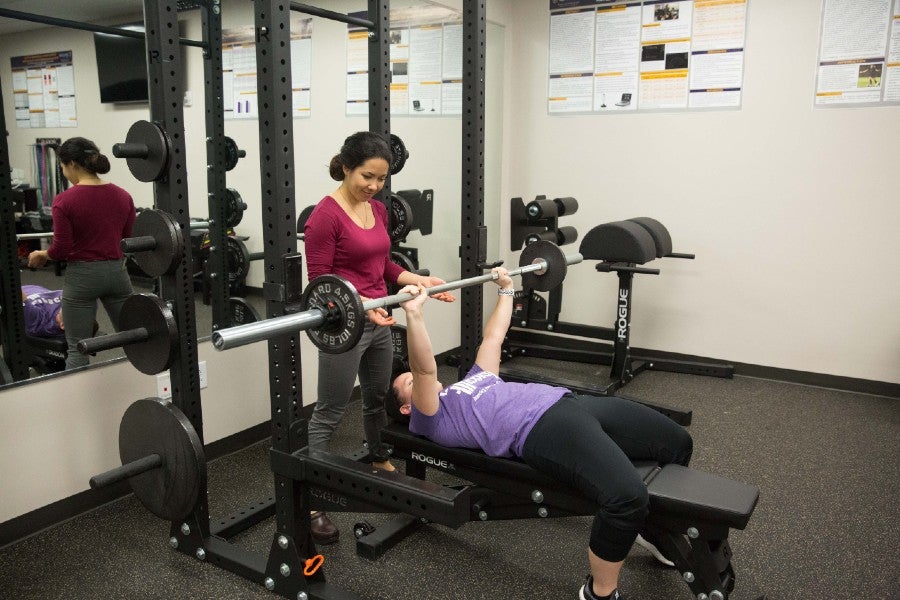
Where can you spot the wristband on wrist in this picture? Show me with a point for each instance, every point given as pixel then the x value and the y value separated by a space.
pixel 509 292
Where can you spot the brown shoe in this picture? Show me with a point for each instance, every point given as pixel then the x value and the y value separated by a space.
pixel 323 530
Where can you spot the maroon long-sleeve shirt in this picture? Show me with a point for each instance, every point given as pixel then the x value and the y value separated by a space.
pixel 336 245
pixel 89 222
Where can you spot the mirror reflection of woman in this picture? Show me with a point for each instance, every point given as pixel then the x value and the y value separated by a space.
pixel 89 221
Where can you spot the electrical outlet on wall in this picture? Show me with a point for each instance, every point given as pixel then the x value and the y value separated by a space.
pixel 163 386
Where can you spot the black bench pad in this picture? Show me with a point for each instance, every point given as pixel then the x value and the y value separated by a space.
pixel 673 488
pixel 691 493
pixel 57 344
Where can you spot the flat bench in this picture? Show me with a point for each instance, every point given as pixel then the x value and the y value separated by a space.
pixel 691 511
pixel 50 352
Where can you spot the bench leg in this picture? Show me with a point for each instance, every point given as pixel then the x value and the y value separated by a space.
pixel 704 562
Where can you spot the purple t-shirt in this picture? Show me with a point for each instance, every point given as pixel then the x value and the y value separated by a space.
pixel 483 411
pixel 40 308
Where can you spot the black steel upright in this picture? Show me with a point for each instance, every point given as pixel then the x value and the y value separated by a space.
pixel 171 196
pixel 276 163
pixel 12 328
pixel 473 235
pixel 380 78
pixel 215 159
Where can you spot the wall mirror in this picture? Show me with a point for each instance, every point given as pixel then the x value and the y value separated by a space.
pixel 316 139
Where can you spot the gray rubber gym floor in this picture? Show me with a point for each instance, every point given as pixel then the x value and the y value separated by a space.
pixel 826 526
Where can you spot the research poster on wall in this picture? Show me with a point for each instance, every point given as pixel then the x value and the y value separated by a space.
pixel 425 61
pixel 239 70
pixel 44 90
pixel 621 56
pixel 859 53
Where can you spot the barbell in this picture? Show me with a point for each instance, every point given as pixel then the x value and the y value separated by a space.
pixel 334 313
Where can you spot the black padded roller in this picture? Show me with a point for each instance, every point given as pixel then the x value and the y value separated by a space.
pixel 566 235
pixel 658 232
pixel 619 241
pixel 566 206
pixel 541 208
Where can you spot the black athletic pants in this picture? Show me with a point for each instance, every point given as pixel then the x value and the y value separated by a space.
pixel 588 442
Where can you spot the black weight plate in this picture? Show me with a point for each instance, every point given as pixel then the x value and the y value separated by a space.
pixel 398 341
pixel 241 312
pixel 346 318
pixel 237 259
pixel 399 154
pixel 550 277
pixel 403 260
pixel 154 165
pixel 159 350
pixel 232 154
pixel 169 251
pixel 234 208
pixel 151 426
pixel 401 218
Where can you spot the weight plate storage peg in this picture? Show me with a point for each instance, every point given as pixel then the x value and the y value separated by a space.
pixel 146 150
pixel 148 334
pixel 152 426
pixel 345 317
pixel 161 348
pixel 157 243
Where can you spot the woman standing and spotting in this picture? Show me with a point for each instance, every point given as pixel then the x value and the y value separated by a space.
pixel 347 235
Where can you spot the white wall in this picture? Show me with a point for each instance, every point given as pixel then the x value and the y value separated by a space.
pixel 58 432
pixel 791 211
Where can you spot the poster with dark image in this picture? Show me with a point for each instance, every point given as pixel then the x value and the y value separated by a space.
pixel 666 12
pixel 653 52
pixel 679 60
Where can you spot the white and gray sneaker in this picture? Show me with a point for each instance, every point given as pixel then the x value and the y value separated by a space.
pixel 640 541
pixel 587 591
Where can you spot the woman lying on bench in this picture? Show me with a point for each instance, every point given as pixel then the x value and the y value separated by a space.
pixel 42 311
pixel 587 442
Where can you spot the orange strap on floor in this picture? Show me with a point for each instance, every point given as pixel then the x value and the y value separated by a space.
pixel 313 564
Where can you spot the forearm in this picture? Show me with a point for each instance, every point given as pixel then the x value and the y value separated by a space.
pixel 498 323
pixel 421 355
pixel 409 278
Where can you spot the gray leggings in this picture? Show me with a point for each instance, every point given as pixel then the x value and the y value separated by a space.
pixel 85 283
pixel 371 359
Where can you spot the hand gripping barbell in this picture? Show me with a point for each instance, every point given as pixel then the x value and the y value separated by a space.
pixel 334 314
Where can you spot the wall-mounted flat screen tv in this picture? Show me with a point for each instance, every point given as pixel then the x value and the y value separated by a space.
pixel 121 66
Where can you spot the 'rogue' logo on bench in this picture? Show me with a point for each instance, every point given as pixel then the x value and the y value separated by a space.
pixel 328 496
pixel 623 313
pixel 443 464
